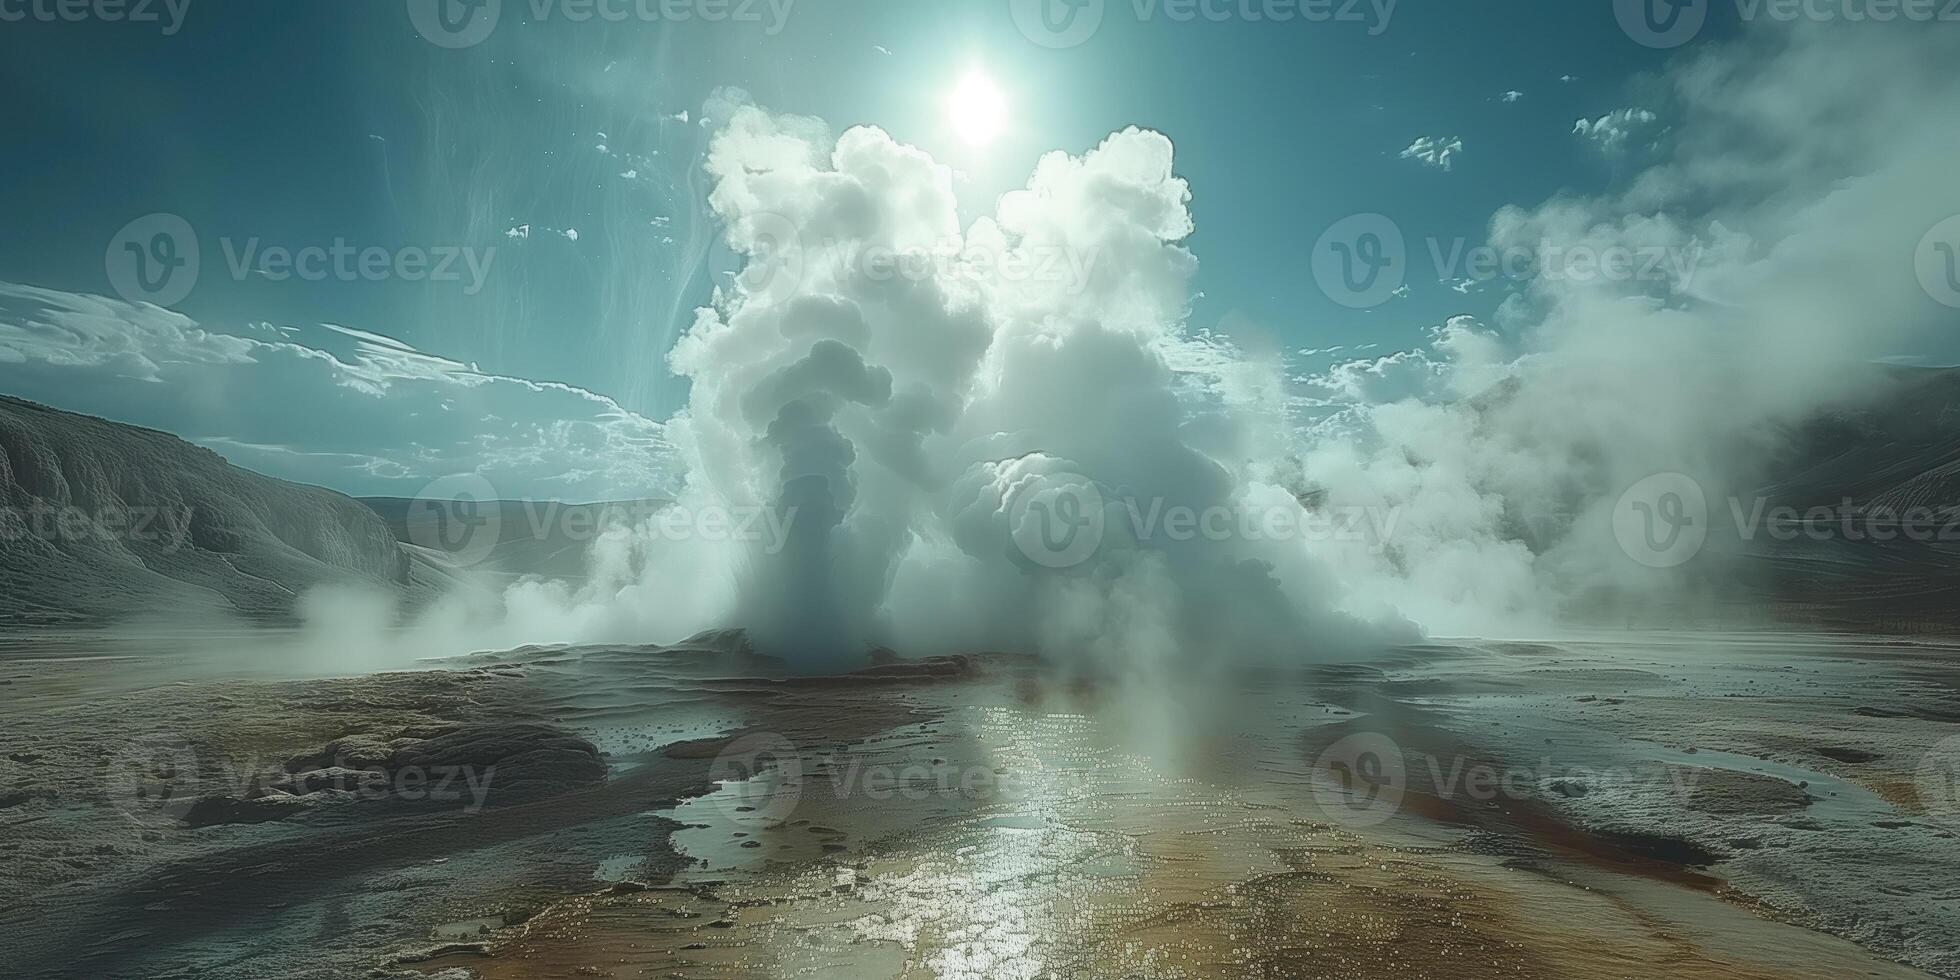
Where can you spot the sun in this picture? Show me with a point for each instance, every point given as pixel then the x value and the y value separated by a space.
pixel 977 109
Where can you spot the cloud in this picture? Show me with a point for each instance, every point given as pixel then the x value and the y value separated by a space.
pixel 915 424
pixel 1783 215
pixel 1611 133
pixel 333 405
pixel 1436 151
pixel 1513 95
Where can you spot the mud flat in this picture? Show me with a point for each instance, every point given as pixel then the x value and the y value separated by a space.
pixel 1610 805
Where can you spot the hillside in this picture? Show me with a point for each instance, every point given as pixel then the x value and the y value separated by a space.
pixel 100 520
pixel 1889 470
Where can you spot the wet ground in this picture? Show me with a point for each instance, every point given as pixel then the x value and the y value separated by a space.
pixel 1611 805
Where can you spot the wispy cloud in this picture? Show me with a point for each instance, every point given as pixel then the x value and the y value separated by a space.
pixel 1613 132
pixel 1435 151
pixel 352 409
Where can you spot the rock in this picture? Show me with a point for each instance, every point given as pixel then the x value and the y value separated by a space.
pixel 1568 788
pixel 352 752
pixel 698 748
pixel 13 798
pixel 731 641
pixel 1727 792
pixel 332 778
pixel 1852 756
pixel 213 811
pixel 1868 711
pixel 514 759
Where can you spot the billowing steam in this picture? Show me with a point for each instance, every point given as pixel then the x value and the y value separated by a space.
pixel 1827 153
pixel 1001 435
pixel 968 430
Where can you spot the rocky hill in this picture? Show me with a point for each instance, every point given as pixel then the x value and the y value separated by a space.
pixel 100 520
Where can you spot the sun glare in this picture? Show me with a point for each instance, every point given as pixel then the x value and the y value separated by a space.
pixel 978 110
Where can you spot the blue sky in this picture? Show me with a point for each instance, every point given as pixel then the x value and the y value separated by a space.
pixel 566 155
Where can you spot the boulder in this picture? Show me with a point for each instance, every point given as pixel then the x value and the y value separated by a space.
pixel 516 759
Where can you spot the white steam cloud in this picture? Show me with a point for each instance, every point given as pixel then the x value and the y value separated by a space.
pixel 909 398
pixel 1807 165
